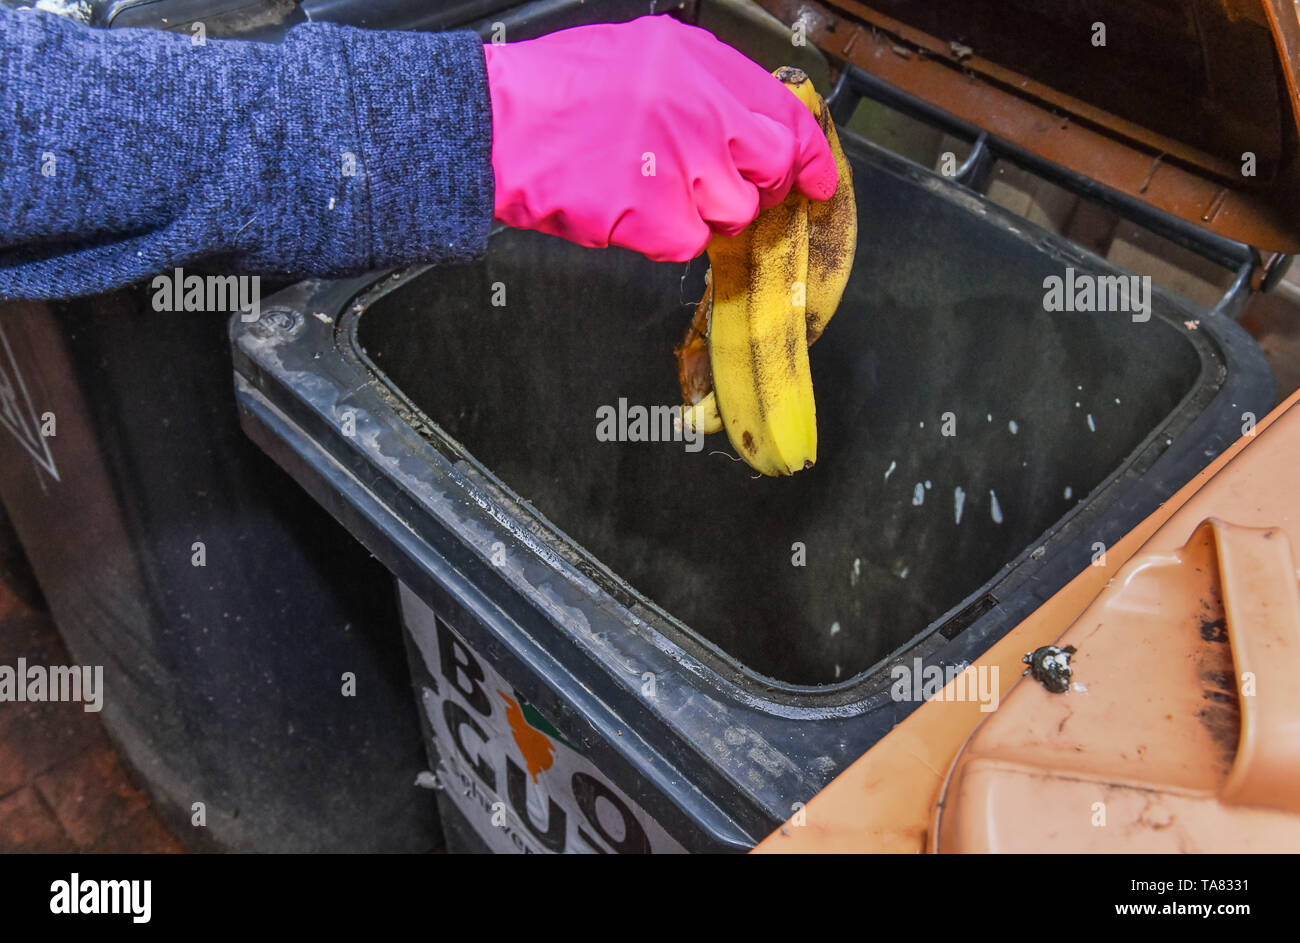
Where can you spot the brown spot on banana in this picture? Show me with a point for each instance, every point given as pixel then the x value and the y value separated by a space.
pixel 832 238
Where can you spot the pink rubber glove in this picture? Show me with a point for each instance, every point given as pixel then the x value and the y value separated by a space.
pixel 651 135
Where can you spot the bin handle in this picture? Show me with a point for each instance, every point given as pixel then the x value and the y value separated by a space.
pixel 1261 604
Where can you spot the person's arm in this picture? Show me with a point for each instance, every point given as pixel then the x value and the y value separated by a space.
pixel 127 152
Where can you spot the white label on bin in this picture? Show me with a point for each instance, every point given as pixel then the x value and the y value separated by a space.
pixel 522 787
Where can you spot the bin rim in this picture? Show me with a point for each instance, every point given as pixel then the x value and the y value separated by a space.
pixel 948 636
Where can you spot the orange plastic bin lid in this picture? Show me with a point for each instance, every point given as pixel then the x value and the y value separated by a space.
pixel 1180 730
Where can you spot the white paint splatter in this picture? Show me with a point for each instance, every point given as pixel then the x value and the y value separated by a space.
pixel 1069 492
pixel 857 572
pixel 77 10
pixel 994 508
pixel 958 501
pixel 918 495
pixel 889 471
pixel 927 485
pixel 902 574
pixel 988 417
pixel 1092 426
pixel 1013 427
pixel 835 628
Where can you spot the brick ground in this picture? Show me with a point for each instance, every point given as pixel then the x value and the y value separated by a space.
pixel 61 785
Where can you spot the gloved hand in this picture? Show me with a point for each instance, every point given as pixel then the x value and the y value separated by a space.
pixel 651 135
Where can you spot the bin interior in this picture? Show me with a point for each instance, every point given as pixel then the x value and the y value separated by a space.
pixel 944 314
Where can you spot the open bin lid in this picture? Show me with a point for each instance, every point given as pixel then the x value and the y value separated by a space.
pixel 1180 730
pixel 1167 110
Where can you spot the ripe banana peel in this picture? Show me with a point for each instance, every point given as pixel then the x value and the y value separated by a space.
pixel 769 293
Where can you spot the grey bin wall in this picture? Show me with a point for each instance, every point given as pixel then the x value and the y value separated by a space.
pixel 223 682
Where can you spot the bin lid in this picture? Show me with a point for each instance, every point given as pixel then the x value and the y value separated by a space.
pixel 1189 105
pixel 1178 728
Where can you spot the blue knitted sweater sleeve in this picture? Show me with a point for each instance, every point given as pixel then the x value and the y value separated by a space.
pixel 127 152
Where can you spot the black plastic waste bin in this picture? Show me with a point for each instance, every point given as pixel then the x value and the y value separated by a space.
pixel 223 605
pixel 632 646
